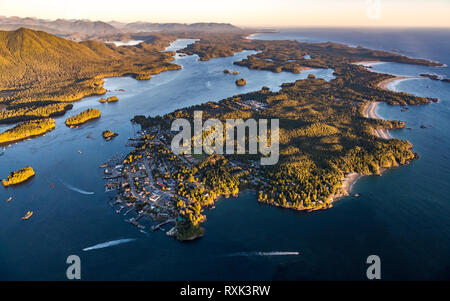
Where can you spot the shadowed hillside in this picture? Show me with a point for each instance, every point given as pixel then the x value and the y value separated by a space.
pixel 37 67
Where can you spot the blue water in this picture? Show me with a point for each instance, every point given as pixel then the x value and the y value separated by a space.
pixel 403 216
pixel 75 214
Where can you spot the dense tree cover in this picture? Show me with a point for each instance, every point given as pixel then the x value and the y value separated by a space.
pixel 241 82
pixel 26 130
pixel 108 135
pixel 202 185
pixel 37 66
pixel 83 117
pixel 17 177
pixel 112 99
pixel 143 76
pixel 188 222
pixel 323 137
pixel 287 54
pixel 35 111
pixel 323 133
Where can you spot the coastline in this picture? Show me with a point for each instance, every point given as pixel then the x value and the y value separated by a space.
pixel 385 83
pixel 370 112
pixel 347 184
pixel 11 142
pixel 367 62
pixel 351 178
pixel 349 181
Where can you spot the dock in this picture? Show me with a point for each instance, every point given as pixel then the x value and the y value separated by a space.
pixel 158 226
pixel 134 222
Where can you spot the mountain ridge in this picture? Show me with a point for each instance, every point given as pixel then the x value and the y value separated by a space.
pixel 86 29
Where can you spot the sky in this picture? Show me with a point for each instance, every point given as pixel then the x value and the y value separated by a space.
pixel 244 13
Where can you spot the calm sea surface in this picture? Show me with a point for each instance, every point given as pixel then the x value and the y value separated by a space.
pixel 403 216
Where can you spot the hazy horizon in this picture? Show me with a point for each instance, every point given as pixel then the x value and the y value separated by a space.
pixel 263 13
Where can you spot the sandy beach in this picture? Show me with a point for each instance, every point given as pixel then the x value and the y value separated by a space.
pixel 347 185
pixel 349 180
pixel 366 62
pixel 369 112
pixel 384 84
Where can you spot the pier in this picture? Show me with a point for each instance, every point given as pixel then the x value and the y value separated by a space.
pixel 158 226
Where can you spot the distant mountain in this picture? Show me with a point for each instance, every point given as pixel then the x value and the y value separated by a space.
pixel 176 27
pixel 86 29
pixel 59 26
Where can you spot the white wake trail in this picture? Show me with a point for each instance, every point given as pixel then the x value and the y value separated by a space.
pixel 274 253
pixel 109 244
pixel 77 189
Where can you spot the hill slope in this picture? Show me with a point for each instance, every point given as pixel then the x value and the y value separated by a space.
pixel 38 66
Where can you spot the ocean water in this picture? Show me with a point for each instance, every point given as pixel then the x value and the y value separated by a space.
pixel 403 216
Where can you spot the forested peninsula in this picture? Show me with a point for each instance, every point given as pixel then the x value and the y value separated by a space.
pixel 324 135
pixel 27 129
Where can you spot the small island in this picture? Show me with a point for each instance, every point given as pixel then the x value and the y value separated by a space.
pixel 102 100
pixel 20 176
pixel 430 76
pixel 227 71
pixel 112 99
pixel 83 117
pixel 108 135
pixel 241 82
pixel 435 77
pixel 143 76
pixel 27 129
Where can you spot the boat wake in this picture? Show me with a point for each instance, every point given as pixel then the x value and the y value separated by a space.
pixel 109 244
pixel 274 253
pixel 77 189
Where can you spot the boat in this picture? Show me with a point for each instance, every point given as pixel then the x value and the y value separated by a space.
pixel 51 185
pixel 2 153
pixel 79 152
pixel 28 215
pixel 104 165
pixel 9 199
